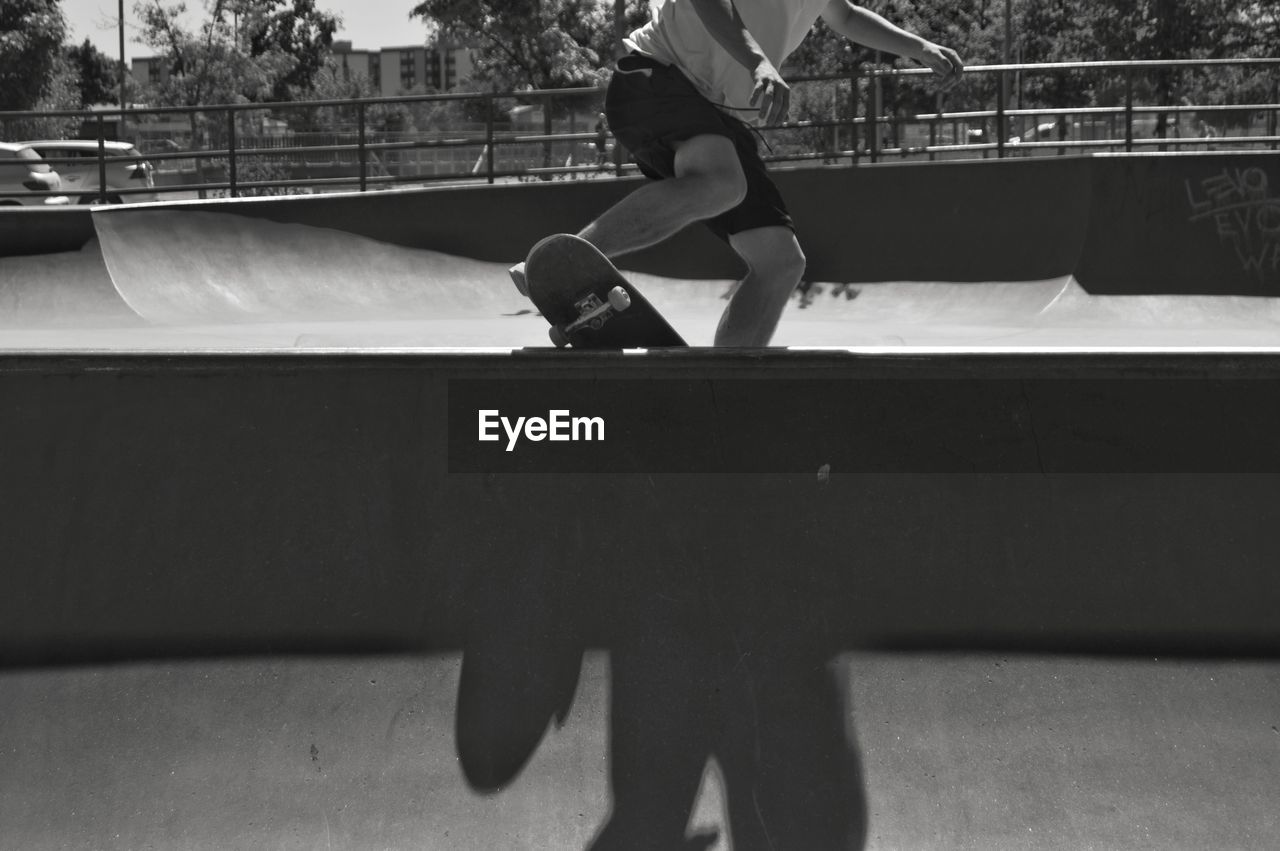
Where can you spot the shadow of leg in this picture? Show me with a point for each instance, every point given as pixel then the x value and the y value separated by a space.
pixel 660 732
pixel 793 778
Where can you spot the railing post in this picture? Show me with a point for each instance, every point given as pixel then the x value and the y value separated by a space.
pixel 933 128
pixel 1271 116
pixel 854 79
pixel 1128 110
pixel 361 142
pixel 548 146
pixel 1002 131
pixel 102 161
pixel 877 104
pixel 231 150
pixel 491 104
pixel 618 156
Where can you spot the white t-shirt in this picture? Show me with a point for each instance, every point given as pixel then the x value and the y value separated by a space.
pixel 676 36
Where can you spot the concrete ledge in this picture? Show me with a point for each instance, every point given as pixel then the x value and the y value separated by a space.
pixel 36 230
pixel 163 505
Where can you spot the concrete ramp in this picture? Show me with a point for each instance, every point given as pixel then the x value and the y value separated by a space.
pixel 67 289
pixel 189 267
pixel 173 276
pixel 199 269
pixel 1190 319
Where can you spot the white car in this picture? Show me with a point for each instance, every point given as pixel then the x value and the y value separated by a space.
pixel 76 160
pixel 22 174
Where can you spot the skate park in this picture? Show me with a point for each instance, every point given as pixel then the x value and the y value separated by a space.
pixel 1009 473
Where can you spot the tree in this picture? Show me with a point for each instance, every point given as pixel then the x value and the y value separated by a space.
pixel 245 51
pixel 334 82
pixel 295 28
pixel 212 65
pixel 536 44
pixel 1056 31
pixel 1077 30
pixel 1255 35
pixel 98 76
pixel 965 25
pixel 31 36
pixel 33 70
pixel 1173 29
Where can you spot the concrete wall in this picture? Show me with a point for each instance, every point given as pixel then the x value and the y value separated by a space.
pixel 157 505
pixel 1201 223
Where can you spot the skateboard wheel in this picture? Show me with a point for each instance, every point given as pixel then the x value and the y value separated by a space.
pixel 619 298
pixel 558 337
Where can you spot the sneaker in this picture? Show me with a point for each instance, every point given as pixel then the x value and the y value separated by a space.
pixel 517 277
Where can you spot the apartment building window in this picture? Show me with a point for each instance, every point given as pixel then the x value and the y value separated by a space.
pixel 450 71
pixel 408 69
pixel 433 63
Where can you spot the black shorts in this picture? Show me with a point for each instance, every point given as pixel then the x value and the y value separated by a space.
pixel 651 106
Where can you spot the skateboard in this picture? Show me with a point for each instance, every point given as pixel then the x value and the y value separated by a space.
pixel 587 301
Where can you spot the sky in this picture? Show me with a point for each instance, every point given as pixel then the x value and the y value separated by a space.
pixel 368 24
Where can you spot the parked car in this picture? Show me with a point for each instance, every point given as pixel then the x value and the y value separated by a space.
pixel 77 161
pixel 22 174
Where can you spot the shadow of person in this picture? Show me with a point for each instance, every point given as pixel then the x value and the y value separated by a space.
pixel 708 680
pixel 521 660
pixel 711 656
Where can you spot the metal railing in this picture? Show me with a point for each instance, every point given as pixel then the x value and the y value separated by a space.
pixel 1125 119
pixel 246 149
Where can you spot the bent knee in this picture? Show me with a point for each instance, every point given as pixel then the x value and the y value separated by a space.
pixel 794 261
pixel 784 261
pixel 709 164
pixel 721 191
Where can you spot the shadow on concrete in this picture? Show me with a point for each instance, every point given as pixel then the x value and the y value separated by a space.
pixel 708 660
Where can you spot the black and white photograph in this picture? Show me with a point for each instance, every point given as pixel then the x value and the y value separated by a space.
pixel 639 425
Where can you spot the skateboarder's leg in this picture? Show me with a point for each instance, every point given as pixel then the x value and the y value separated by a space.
pixel 708 181
pixel 775 264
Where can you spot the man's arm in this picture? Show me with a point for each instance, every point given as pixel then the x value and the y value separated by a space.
pixel 725 25
pixel 871 30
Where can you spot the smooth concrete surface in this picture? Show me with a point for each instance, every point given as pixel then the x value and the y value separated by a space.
pixel 979 753
pixel 173 279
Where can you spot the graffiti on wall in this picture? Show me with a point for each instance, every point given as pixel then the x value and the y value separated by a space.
pixel 1239 204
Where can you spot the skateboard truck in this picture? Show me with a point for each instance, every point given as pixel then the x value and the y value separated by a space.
pixel 578 290
pixel 592 313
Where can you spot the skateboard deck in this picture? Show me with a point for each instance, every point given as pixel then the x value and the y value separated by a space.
pixel 587 301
